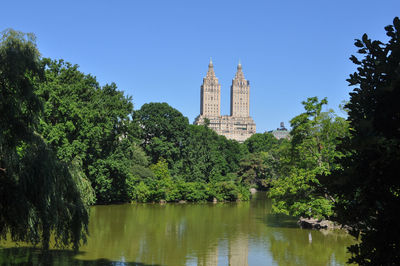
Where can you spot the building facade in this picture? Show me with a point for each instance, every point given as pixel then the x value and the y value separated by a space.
pixel 281 132
pixel 238 125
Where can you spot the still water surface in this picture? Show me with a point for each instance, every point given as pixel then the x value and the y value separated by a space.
pixel 243 233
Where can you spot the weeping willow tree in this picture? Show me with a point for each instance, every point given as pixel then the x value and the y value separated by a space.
pixel 39 195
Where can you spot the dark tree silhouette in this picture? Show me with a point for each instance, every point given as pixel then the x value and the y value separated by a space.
pixel 368 187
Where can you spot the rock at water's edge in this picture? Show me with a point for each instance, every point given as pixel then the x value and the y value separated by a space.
pixel 311 223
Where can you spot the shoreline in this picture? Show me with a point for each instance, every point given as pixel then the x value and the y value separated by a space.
pixel 321 224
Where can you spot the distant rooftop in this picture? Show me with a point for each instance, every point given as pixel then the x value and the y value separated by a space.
pixel 281 132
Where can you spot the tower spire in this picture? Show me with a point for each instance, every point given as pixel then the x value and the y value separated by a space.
pixel 239 72
pixel 240 91
pixel 210 72
pixel 239 125
pixel 210 103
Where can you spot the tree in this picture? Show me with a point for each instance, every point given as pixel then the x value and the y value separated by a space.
pixel 203 161
pixel 163 132
pixel 92 125
pixel 261 142
pixel 253 170
pixel 163 187
pixel 314 138
pixel 368 186
pixel 263 163
pixel 38 193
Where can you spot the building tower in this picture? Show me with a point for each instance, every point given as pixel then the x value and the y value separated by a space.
pixel 210 98
pixel 239 125
pixel 240 94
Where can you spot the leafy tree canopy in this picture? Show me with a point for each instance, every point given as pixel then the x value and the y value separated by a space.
pixel 163 130
pixel 261 142
pixel 314 138
pixel 92 126
pixel 38 193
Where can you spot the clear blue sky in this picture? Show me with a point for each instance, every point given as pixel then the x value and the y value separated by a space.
pixel 158 51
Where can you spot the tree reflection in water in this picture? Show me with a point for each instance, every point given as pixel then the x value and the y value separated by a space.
pixel 243 233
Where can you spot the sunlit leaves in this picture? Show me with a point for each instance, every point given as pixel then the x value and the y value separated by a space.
pixel 313 150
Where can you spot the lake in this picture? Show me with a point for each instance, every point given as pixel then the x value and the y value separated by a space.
pixel 239 233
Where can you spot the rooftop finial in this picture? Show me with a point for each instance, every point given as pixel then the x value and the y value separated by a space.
pixel 210 72
pixel 239 65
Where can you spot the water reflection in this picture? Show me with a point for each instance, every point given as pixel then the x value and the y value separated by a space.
pixel 239 251
pixel 196 234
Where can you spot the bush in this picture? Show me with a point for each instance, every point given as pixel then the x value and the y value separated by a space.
pixel 141 193
pixel 225 191
pixel 194 191
pixel 244 193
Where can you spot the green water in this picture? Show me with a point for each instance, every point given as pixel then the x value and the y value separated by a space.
pixel 242 233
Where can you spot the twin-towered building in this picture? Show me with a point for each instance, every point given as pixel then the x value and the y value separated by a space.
pixel 239 125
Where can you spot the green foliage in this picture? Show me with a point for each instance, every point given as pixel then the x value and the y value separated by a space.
pixel 227 191
pixel 154 187
pixel 261 142
pixel 140 192
pixel 253 171
pixel 243 193
pixel 40 196
pixel 209 157
pixel 295 195
pixel 19 69
pixel 265 162
pixel 314 137
pixel 262 168
pixel 193 156
pixel 160 170
pixel 312 152
pixel 162 186
pixel 82 183
pixel 203 161
pixel 91 124
pixel 163 130
pixel 367 188
pixel 195 191
pixel 275 164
